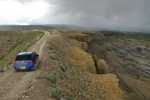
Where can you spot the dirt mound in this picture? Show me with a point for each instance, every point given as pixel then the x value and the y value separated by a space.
pixel 102 66
pixel 87 86
pixel 106 85
pixel 79 57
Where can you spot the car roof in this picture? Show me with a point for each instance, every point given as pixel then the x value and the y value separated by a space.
pixel 25 53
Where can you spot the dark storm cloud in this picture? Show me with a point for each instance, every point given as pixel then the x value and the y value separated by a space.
pixel 105 13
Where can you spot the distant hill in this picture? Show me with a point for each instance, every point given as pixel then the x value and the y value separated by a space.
pixel 31 27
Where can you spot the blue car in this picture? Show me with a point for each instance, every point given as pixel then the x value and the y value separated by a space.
pixel 26 61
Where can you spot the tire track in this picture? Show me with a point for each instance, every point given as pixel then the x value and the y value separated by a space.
pixel 12 84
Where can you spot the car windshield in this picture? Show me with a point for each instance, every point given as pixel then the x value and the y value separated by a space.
pixel 23 57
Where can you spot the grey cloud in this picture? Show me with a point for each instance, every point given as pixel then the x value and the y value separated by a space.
pixel 105 13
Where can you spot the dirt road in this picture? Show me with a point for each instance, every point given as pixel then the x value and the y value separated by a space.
pixel 26 85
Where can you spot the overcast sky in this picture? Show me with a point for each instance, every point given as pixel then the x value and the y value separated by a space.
pixel 127 14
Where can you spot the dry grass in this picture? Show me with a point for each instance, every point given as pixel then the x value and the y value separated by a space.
pixel 82 59
pixel 13 42
pixel 8 40
pixel 107 85
pixel 87 86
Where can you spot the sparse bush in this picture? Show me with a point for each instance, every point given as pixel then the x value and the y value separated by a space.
pixel 52 77
pixel 55 92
